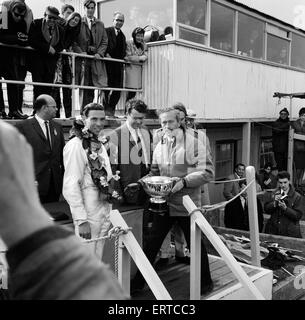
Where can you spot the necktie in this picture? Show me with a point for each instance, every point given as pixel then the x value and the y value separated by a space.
pixel 48 133
pixel 90 24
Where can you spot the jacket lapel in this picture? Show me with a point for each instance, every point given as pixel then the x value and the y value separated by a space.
pixel 38 129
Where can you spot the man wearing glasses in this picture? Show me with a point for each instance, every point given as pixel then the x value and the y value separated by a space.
pixel 46 37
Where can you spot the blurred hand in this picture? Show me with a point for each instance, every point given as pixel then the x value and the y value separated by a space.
pixel 178 185
pixel 97 56
pixel 52 51
pixel 84 230
pixel 20 210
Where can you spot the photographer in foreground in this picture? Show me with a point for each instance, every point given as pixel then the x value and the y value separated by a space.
pixel 286 209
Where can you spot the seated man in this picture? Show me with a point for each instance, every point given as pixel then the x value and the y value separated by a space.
pixel 231 189
pixel 286 209
pixel 266 179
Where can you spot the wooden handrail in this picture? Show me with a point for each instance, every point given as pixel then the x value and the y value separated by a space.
pixel 140 259
pixel 199 221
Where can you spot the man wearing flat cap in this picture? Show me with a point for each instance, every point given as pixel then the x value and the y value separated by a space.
pixel 280 132
pixel 46 36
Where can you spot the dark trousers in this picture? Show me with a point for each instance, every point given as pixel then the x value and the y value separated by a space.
pixel 115 80
pixel 67 101
pixel 66 92
pixel 43 70
pixel 51 196
pixel 87 95
pixel 281 160
pixel 130 95
pixel 14 71
pixel 160 228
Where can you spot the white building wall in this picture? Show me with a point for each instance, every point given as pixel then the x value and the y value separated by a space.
pixel 215 85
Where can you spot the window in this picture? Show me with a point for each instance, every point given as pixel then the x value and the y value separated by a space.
pixel 191 35
pixel 297 51
pixel 250 36
pixel 222 27
pixel 277 49
pixel 192 13
pixel 224 156
pixel 138 13
pixel 266 153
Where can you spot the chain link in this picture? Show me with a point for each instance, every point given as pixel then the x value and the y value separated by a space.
pixel 114 232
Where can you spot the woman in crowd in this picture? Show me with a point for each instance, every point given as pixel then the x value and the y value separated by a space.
pixel 299 147
pixel 135 52
pixel 64 72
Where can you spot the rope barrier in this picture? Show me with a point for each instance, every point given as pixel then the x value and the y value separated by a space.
pixel 222 204
pixel 114 232
pixel 226 181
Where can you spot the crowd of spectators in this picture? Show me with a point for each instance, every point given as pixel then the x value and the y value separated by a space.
pixel 56 33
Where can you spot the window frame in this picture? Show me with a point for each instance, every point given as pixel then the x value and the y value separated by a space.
pixel 234 152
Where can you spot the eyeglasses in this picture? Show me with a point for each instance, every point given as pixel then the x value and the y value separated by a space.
pixel 18 15
pixel 283 114
pixel 51 17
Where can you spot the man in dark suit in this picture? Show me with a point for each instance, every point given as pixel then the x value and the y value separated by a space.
pixel 232 188
pixel 236 213
pixel 116 49
pixel 47 140
pixel 133 142
pixel 46 36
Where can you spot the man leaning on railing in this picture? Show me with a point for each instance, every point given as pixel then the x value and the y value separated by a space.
pixel 13 61
pixel 46 36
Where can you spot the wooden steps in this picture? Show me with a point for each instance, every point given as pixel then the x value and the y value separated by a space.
pixel 176 278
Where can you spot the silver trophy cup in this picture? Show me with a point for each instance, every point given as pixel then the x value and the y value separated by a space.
pixel 158 188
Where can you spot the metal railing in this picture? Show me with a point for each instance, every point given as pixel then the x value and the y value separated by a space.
pixel 73 86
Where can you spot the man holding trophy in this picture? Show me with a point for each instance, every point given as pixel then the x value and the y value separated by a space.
pixel 181 165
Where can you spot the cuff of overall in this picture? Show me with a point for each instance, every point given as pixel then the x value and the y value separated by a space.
pixel 20 251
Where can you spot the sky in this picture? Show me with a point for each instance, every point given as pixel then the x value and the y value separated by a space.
pixel 291 11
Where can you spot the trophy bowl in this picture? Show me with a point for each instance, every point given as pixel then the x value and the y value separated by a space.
pixel 158 187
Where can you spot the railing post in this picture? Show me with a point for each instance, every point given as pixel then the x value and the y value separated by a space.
pixel 224 252
pixel 290 153
pixel 253 217
pixel 195 275
pixel 73 86
pixel 124 267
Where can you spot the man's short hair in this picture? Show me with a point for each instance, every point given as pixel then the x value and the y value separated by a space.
pixel 283 175
pixel 65 7
pixel 180 106
pixel 118 12
pixel 17 6
pixel 92 106
pixel 239 164
pixel 88 2
pixel 268 165
pixel 136 104
pixel 170 109
pixel 39 103
pixel 54 11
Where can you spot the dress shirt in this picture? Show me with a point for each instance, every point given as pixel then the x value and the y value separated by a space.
pixel 42 125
